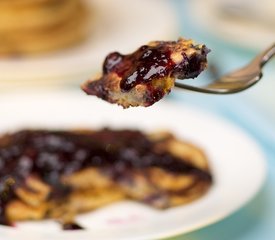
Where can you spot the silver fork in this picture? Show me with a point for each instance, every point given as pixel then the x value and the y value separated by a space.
pixel 238 80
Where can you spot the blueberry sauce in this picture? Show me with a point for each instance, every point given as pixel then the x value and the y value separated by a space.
pixel 153 62
pixel 52 154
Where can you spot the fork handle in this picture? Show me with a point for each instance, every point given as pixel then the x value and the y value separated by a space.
pixel 264 57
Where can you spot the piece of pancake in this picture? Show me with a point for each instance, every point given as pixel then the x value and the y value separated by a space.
pixel 148 74
pixel 57 174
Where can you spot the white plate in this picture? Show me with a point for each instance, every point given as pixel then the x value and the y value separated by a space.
pixel 117 25
pixel 245 34
pixel 237 162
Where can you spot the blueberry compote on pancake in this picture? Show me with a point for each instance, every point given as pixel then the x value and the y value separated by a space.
pixel 57 174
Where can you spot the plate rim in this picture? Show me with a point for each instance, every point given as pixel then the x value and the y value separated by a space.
pixel 224 35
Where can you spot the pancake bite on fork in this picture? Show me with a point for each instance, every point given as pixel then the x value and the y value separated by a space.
pixel 148 74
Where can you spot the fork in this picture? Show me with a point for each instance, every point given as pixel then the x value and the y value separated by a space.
pixel 237 80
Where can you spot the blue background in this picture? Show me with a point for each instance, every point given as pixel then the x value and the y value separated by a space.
pixel 255 221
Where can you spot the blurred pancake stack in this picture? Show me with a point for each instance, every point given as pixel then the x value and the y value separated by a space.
pixel 37 26
pixel 57 43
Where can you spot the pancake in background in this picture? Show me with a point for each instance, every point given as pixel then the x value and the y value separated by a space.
pixel 41 26
pixel 24 17
pixel 23 2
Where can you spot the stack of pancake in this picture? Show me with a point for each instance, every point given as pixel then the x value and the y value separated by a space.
pixel 35 26
pixel 58 174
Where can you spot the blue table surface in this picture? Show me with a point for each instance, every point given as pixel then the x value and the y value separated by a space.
pixel 255 221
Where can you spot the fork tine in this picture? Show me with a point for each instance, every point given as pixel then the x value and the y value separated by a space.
pixel 201 89
pixel 223 86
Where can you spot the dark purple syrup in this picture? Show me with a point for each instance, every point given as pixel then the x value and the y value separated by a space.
pixel 50 154
pixel 153 62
